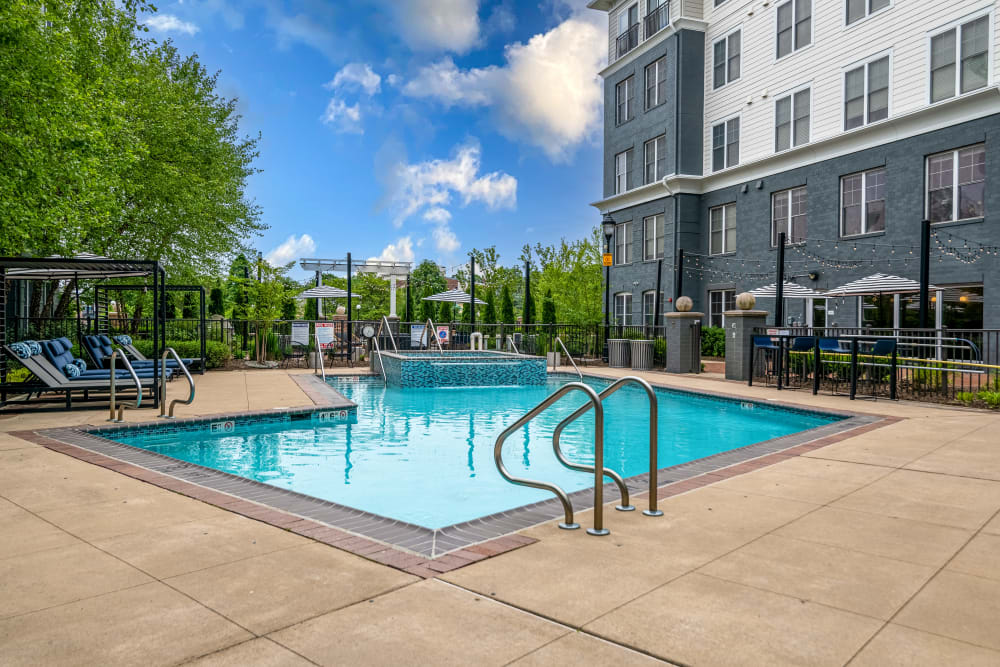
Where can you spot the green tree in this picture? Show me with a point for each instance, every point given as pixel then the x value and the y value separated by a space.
pixel 548 308
pixel 572 271
pixel 239 277
pixel 445 313
pixel 427 278
pixel 506 307
pixel 428 309
pixel 216 304
pixel 189 308
pixel 489 310
pixel 528 307
pixel 289 308
pixel 311 309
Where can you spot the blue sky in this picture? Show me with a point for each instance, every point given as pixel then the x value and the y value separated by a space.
pixel 410 129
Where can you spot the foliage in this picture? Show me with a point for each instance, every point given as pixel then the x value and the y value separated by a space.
pixel 239 275
pixel 289 308
pixel 445 313
pixel 428 309
pixel 189 310
pixel 311 309
pixel 427 278
pixel 506 307
pixel 216 303
pixel 572 271
pixel 983 398
pixel 216 353
pixel 548 308
pixel 489 310
pixel 713 342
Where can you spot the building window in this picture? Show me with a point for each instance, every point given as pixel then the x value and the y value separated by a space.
pixel 719 301
pixel 722 229
pixel 866 93
pixel 794 26
pixel 956 193
pixel 657 16
pixel 859 9
pixel 960 59
pixel 623 167
pixel 652 237
pixel 862 203
pixel 726 54
pixel 655 156
pixel 789 214
pixel 649 307
pixel 726 144
pixel 656 83
pixel 623 243
pixel 623 308
pixel 623 98
pixel 628 30
pixel 791 120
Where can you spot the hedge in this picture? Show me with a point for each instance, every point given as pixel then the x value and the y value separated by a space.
pixel 713 342
pixel 216 353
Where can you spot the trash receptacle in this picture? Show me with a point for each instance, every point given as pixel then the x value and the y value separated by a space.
pixel 642 355
pixel 618 352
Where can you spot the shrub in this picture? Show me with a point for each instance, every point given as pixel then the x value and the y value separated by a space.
pixel 713 342
pixel 216 353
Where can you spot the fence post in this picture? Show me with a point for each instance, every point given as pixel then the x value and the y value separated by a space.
pixel 892 376
pixel 817 364
pixel 854 367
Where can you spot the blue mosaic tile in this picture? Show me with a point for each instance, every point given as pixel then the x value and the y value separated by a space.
pixel 463 369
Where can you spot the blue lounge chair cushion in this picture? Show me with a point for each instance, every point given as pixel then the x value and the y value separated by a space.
pixel 71 370
pixel 21 350
pixel 81 364
pixel 764 342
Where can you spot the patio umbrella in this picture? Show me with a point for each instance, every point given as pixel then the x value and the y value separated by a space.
pixel 454 296
pixel 789 291
pixel 325 292
pixel 879 283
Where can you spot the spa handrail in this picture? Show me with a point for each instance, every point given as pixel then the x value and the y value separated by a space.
pixel 510 339
pixel 319 358
pixel 653 465
pixel 594 401
pixel 392 338
pixel 430 330
pixel 569 356
pixel 114 381
pixel 381 367
pixel 163 384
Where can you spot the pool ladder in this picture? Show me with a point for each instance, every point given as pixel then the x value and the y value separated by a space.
pixel 596 401
pixel 163 384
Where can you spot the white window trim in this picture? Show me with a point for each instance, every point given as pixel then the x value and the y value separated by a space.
pixel 645 313
pixel 724 244
pixel 629 99
pixel 812 32
pixel 990 55
pixel 722 313
pixel 774 115
pixel 739 147
pixel 657 177
pixel 625 314
pixel 868 14
pixel 843 91
pixel 788 229
pixel 645 71
pixel 864 204
pixel 626 246
pixel 664 225
pixel 954 186
pixel 624 154
pixel 725 38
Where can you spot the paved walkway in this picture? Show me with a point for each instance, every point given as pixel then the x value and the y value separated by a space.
pixel 878 550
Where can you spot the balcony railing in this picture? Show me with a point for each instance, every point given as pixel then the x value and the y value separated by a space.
pixel 627 41
pixel 656 20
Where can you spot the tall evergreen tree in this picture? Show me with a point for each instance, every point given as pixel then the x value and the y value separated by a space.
pixel 428 310
pixel 216 303
pixel 548 309
pixel 506 307
pixel 445 313
pixel 489 311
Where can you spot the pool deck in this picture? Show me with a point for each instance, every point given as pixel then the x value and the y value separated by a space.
pixel 877 549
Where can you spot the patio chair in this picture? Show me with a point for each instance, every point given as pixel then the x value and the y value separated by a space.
pixel 125 343
pixel 99 349
pixel 59 353
pixel 873 368
pixel 800 359
pixel 770 349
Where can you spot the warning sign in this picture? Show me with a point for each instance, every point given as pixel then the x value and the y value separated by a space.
pixel 608 259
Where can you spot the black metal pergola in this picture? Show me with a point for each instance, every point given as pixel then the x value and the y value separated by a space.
pixel 84 267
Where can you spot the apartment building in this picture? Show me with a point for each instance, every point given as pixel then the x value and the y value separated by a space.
pixel 842 123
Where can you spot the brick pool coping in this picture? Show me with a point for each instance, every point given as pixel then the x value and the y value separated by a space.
pixel 415 549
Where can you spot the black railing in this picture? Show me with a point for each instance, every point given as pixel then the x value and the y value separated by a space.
pixel 933 365
pixel 627 41
pixel 656 20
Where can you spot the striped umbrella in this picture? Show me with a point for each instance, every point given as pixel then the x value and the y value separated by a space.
pixel 789 291
pixel 879 283
pixel 454 296
pixel 325 292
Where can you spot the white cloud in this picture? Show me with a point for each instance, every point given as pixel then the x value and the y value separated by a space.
pixel 343 117
pixel 358 75
pixel 445 239
pixel 400 251
pixel 170 23
pixel 304 29
pixel 430 185
pixel 437 25
pixel 547 93
pixel 292 249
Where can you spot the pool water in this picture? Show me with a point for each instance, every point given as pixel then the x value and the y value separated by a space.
pixel 425 455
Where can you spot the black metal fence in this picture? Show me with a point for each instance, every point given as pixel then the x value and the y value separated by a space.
pixel 934 365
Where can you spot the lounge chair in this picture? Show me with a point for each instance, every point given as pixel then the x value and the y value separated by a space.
pixel 59 353
pixel 51 380
pixel 99 349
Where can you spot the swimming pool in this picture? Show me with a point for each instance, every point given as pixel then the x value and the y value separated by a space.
pixel 424 455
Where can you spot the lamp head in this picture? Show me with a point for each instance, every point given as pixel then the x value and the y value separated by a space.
pixel 608 226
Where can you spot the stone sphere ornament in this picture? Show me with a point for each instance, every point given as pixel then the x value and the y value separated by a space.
pixel 341 310
pixel 684 304
pixel 745 301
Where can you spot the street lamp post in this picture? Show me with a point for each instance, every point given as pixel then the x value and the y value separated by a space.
pixel 608 227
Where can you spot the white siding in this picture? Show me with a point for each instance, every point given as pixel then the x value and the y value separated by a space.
pixel 903 28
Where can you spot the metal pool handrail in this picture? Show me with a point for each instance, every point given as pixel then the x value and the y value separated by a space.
pixel 163 384
pixel 595 401
pixel 653 465
pixel 381 367
pixel 114 382
pixel 569 356
pixel 510 339
pixel 392 338
pixel 430 329
pixel 319 358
